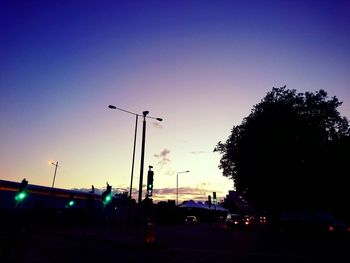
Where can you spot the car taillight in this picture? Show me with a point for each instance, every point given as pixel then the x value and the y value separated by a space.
pixel 331 228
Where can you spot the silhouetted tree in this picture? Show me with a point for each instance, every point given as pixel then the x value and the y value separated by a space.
pixel 286 154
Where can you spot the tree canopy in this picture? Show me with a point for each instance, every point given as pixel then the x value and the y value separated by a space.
pixel 289 152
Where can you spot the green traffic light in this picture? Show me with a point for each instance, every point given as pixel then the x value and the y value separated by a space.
pixel 108 198
pixel 71 203
pixel 21 196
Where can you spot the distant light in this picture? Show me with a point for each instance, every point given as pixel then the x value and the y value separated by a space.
pixel 107 199
pixel 20 196
pixel 331 228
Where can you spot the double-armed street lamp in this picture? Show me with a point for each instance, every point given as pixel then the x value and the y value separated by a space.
pixel 177 186
pixel 54 175
pixel 144 114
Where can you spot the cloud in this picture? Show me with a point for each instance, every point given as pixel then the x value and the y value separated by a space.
pixel 163 154
pixel 157 125
pixel 185 194
pixel 163 157
pixel 203 185
pixel 197 152
pixel 169 172
pixel 198 193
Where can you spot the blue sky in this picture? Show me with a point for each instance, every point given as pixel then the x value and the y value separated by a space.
pixel 200 65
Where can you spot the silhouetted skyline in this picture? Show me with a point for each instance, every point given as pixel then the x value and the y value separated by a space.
pixel 199 65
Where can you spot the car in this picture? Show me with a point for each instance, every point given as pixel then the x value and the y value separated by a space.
pixel 191 220
pixel 262 220
pixel 248 220
pixel 233 220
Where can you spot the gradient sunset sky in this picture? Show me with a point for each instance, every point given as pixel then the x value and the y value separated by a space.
pixel 199 65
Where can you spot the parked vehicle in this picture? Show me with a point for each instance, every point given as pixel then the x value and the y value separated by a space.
pixel 233 220
pixel 191 220
pixel 262 220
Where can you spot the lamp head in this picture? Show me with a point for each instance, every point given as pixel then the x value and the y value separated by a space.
pixel 145 113
pixel 112 107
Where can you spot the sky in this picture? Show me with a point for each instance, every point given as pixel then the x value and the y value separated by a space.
pixel 199 65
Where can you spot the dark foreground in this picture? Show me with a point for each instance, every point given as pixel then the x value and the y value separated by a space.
pixel 182 243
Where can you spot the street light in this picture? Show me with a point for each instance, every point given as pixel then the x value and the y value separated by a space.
pixel 133 153
pixel 54 175
pixel 177 186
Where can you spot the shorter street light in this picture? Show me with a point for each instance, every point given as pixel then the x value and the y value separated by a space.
pixel 177 186
pixel 54 175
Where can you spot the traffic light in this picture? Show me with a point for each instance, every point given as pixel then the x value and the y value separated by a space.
pixel 71 202
pixel 107 195
pixel 150 181
pixel 22 191
pixel 209 201
pixel 214 198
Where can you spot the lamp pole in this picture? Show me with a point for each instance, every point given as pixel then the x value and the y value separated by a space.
pixel 177 186
pixel 54 175
pixel 133 157
pixel 142 155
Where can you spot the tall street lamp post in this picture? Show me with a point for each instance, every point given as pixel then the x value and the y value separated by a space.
pixel 54 175
pixel 142 155
pixel 177 186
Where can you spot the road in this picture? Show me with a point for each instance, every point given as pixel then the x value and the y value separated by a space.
pixel 221 245
pixel 197 243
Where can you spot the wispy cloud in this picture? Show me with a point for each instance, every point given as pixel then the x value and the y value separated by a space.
pixel 203 185
pixel 163 154
pixel 169 171
pixel 197 152
pixel 185 194
pixel 199 193
pixel 163 161
pixel 157 125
